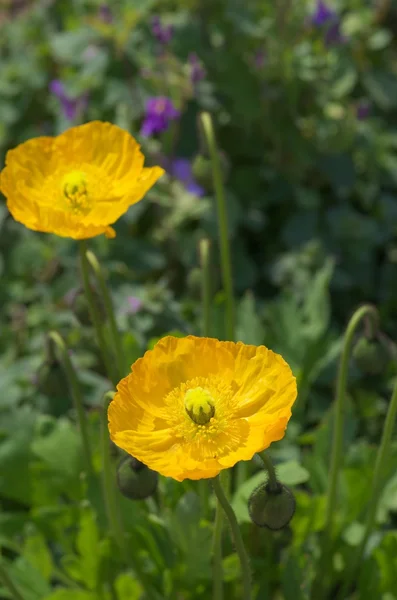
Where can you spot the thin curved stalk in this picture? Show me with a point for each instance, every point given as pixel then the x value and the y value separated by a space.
pixel 76 395
pixel 237 538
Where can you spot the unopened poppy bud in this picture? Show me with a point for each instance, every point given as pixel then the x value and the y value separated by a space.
pixel 371 356
pixel 271 507
pixel 135 480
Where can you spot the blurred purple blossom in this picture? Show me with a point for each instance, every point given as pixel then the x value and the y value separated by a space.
pixel 323 14
pixel 134 305
pixel 162 33
pixel 363 110
pixel 260 57
pixel 327 18
pixel 105 14
pixel 160 111
pixel 71 106
pixel 197 71
pixel 181 169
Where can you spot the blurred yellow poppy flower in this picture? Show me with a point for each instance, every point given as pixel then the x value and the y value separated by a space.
pixel 78 183
pixel 194 406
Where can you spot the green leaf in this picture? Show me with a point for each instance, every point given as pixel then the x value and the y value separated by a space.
pixel 292 473
pixel 36 552
pixel 87 545
pixel 72 594
pixel 27 579
pixel 382 87
pixel 249 328
pixel 127 588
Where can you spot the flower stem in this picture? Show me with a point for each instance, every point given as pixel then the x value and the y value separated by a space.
pixel 341 384
pixel 273 481
pixel 9 584
pixel 226 264
pixel 217 554
pixel 364 312
pixel 117 340
pixel 237 538
pixel 76 395
pixel 204 250
pixel 112 507
pixel 377 486
pixel 95 316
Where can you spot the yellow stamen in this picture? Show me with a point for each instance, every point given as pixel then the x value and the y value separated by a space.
pixel 199 405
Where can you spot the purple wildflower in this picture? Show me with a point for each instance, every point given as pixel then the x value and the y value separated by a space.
pixel 323 14
pixel 363 110
pixel 197 71
pixel 105 14
pixel 162 33
pixel 327 18
pixel 160 110
pixel 181 169
pixel 71 106
pixel 134 305
pixel 260 57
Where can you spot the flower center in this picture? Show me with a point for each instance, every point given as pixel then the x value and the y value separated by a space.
pixel 160 106
pixel 74 187
pixel 199 405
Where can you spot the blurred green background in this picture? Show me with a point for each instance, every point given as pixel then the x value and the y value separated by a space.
pixel 304 101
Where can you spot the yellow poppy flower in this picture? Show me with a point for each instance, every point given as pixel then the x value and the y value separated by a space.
pixel 78 183
pixel 194 406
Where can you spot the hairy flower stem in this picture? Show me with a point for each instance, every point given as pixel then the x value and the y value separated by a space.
pixel 377 486
pixel 337 439
pixel 9 584
pixel 117 341
pixel 76 395
pixel 237 538
pixel 111 503
pixel 217 551
pixel 273 481
pixel 96 317
pixel 226 264
pixel 204 253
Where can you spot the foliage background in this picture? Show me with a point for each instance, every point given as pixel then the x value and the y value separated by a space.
pixel 308 135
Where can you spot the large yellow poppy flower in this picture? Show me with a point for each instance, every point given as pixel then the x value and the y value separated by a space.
pixel 194 406
pixel 78 183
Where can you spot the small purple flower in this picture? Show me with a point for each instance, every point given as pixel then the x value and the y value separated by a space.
pixel 197 71
pixel 134 305
pixel 162 33
pixel 323 14
pixel 363 110
pixel 260 57
pixel 327 18
pixel 160 111
pixel 105 14
pixel 71 106
pixel 181 169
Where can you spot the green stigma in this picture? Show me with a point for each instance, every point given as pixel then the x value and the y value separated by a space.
pixel 199 405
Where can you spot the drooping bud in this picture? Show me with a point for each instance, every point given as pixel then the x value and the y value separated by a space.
pixel 271 506
pixel 372 355
pixel 135 480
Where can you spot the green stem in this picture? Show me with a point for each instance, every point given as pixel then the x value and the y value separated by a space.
pixel 217 554
pixel 226 264
pixel 377 486
pixel 341 385
pixel 111 503
pixel 76 395
pixel 337 441
pixel 9 584
pixel 237 538
pixel 117 340
pixel 95 316
pixel 204 250
pixel 271 471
